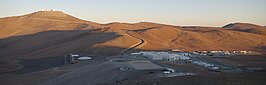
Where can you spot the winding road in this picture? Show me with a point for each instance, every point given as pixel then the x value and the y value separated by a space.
pixel 126 51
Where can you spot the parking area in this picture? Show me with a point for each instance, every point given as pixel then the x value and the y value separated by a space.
pixel 144 65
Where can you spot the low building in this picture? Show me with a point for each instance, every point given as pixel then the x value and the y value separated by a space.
pixel 75 55
pixel 166 56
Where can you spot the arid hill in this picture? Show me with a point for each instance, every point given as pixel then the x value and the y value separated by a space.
pixel 54 33
pixel 246 27
pixel 39 22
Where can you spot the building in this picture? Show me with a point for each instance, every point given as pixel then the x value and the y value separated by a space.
pixel 184 54
pixel 74 55
pixel 48 10
pixel 166 56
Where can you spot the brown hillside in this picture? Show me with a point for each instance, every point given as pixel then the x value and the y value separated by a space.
pixel 44 34
pixel 246 27
pixel 199 39
pixel 39 22
pixel 54 15
pixel 52 43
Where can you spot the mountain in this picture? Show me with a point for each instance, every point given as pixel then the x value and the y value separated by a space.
pixel 54 15
pixel 246 27
pixel 41 21
pixel 190 39
pixel 54 33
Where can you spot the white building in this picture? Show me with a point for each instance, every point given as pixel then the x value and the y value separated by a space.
pixel 74 55
pixel 184 54
pixel 165 56
pixel 48 10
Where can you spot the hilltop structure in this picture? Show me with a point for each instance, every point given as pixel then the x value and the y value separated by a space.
pixel 48 10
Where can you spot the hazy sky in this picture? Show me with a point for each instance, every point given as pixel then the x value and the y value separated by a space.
pixel 175 12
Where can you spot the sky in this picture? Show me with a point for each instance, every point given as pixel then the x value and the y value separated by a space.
pixel 174 12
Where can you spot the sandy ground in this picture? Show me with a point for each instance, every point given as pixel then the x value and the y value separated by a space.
pixel 35 73
pixel 104 70
pixel 144 65
pixel 206 77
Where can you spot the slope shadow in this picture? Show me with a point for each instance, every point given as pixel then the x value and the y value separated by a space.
pixel 262 50
pixel 45 50
pixel 146 29
pixel 35 65
pixel 25 46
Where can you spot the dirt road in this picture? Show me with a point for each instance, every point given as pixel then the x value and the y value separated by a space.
pixel 133 46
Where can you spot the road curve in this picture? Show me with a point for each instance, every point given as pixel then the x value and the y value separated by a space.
pixel 126 51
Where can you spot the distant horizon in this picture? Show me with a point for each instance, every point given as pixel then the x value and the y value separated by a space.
pixel 172 12
pixel 138 21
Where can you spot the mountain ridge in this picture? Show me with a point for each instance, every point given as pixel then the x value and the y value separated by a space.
pixel 114 37
pixel 246 27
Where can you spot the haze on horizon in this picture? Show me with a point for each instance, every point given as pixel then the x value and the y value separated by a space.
pixel 175 12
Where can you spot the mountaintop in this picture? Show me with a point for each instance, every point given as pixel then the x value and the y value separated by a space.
pixel 246 27
pixel 55 15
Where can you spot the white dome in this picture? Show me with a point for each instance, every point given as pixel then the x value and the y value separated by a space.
pixel 84 58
